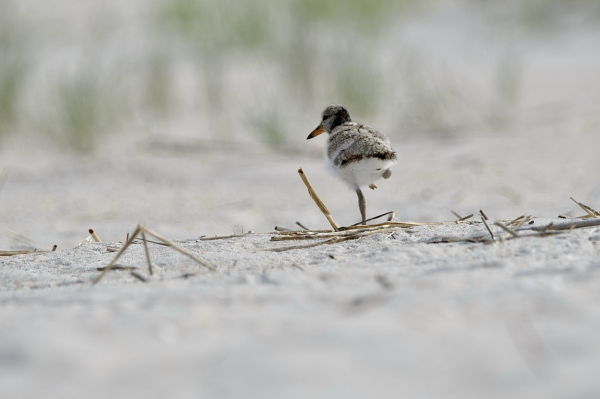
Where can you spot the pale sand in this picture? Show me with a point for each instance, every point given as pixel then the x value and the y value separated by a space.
pixel 377 317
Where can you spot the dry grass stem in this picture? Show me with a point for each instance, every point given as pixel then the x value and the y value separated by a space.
pixel 139 241
pixel 487 226
pixel 458 217
pixel 114 260
pixel 144 230
pixel 117 267
pixel 178 248
pixel 550 229
pixel 361 232
pixel 139 277
pixel 302 226
pixel 586 216
pixel 87 239
pixel 396 224
pixel 503 227
pixel 19 237
pixel 12 253
pixel 352 230
pixel 26 251
pixel 315 197
pixel 521 223
pixel 94 235
pixel 373 218
pixel 547 227
pixel 303 232
pixel 223 237
pixel 461 218
pixel 147 253
pixel 483 214
pixel 484 240
pixel 330 241
pixel 314 236
pixel 590 211
pixel 515 220
pixel 565 225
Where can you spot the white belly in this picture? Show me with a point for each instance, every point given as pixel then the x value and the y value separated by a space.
pixel 361 173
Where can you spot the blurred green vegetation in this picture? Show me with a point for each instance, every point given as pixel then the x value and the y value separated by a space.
pixel 366 17
pixel 14 65
pixel 86 107
pixel 269 125
pixel 217 26
pixel 535 17
pixel 252 67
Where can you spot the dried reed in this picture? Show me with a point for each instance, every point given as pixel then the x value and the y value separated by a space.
pixel 141 229
pixel 94 235
pixel 315 197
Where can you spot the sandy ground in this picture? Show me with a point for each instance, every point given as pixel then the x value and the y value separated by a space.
pixel 383 316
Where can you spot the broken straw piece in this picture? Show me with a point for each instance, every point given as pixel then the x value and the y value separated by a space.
pixel 315 197
pixel 94 235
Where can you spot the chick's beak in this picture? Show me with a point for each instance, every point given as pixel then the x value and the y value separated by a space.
pixel 315 132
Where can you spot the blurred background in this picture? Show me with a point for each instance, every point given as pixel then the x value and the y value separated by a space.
pixel 85 80
pixel 76 74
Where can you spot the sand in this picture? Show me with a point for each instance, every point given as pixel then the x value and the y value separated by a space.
pixel 383 316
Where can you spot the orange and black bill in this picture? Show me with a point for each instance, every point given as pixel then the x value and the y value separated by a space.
pixel 315 132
